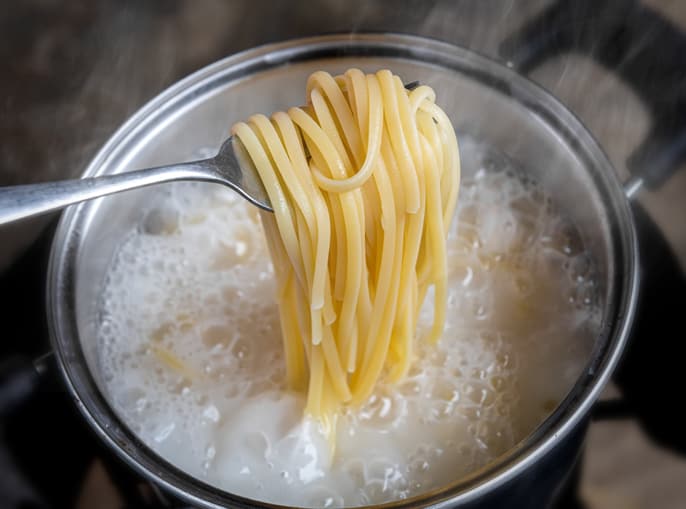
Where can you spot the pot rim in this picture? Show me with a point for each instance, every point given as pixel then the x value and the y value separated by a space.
pixel 570 412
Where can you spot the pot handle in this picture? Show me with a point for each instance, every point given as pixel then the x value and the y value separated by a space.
pixel 639 45
pixel 20 379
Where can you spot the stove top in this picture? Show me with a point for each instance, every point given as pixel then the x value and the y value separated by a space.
pixel 77 70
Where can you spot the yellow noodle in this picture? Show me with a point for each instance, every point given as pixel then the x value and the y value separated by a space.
pixel 363 180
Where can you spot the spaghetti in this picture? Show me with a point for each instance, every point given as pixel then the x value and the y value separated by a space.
pixel 364 182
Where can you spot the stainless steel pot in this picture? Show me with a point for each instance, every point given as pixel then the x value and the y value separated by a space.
pixel 483 98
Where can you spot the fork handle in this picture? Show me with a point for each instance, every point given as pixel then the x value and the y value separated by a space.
pixel 19 202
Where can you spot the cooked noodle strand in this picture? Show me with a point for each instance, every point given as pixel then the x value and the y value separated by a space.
pixel 364 182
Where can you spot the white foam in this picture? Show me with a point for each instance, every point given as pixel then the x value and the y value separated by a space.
pixel 190 350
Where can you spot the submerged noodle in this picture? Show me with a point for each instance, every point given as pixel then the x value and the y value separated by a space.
pixel 363 181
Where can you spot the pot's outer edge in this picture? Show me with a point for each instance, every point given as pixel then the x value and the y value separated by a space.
pixel 517 460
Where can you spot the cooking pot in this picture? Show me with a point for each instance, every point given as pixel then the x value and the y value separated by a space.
pixel 486 101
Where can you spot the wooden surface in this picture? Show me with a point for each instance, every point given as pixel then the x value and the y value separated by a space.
pixel 624 470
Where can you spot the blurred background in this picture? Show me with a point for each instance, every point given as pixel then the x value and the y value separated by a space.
pixel 72 71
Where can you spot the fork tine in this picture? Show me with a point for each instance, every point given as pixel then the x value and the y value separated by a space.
pixel 236 166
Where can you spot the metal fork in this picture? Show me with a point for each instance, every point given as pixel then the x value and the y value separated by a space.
pixel 231 166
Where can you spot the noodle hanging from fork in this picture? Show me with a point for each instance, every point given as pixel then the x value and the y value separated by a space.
pixel 364 182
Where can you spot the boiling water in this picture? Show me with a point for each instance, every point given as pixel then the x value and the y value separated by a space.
pixel 190 349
